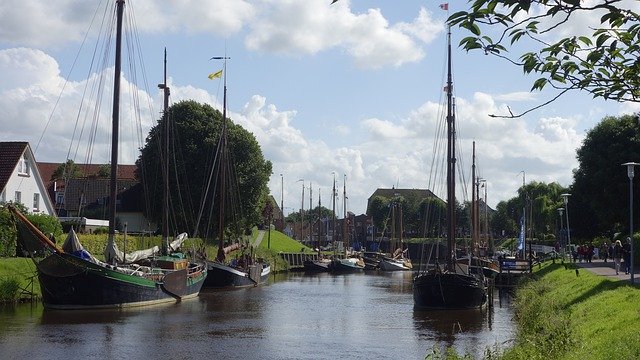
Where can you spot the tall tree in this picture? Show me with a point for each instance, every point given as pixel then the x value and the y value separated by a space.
pixel 195 132
pixel 599 204
pixel 599 57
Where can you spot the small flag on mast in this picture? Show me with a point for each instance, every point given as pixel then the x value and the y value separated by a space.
pixel 215 75
pixel 444 6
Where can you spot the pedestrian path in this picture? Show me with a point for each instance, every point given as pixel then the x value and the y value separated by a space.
pixel 606 269
pixel 259 238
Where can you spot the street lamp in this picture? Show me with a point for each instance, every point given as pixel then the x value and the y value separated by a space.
pixel 565 197
pixel 282 198
pixel 630 167
pixel 560 212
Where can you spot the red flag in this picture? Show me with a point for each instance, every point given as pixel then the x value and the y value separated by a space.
pixel 444 6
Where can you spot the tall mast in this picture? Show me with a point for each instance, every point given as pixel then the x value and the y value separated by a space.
pixel 474 203
pixel 165 167
pixel 115 123
pixel 345 234
pixel 310 216
pixel 451 160
pixel 333 201
pixel 223 168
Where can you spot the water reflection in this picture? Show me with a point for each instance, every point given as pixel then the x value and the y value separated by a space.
pixel 296 316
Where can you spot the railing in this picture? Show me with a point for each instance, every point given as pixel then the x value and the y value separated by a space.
pixel 296 260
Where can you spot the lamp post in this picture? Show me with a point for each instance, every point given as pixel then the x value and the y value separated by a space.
pixel 302 212
pixel 282 199
pixel 560 212
pixel 630 167
pixel 565 197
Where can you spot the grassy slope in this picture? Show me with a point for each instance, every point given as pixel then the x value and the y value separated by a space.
pixel 564 316
pixel 21 269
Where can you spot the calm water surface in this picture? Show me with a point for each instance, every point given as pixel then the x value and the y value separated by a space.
pixel 297 316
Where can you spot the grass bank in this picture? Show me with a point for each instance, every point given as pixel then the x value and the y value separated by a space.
pixel 17 274
pixel 564 316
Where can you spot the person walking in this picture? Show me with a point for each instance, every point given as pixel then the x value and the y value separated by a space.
pixel 626 254
pixel 617 255
pixel 604 251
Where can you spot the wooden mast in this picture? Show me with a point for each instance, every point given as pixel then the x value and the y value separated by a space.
pixel 165 166
pixel 451 162
pixel 115 125
pixel 223 169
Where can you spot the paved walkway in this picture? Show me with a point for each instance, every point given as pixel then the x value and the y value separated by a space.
pixel 606 269
pixel 259 238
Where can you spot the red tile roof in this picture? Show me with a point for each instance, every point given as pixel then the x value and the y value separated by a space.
pixel 125 172
pixel 10 153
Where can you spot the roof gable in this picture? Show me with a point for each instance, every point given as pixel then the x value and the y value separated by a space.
pixel 10 153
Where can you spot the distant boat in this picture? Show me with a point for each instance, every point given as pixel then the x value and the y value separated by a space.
pixel 347 263
pixel 245 270
pixel 320 265
pixel 451 286
pixel 477 260
pixel 397 260
pixel 72 278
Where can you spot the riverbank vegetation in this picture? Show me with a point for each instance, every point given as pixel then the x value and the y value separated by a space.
pixel 568 315
pixel 18 275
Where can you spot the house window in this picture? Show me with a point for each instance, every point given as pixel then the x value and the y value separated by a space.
pixel 23 167
pixel 18 197
pixel 36 202
pixel 59 197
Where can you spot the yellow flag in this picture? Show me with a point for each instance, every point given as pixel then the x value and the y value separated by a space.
pixel 215 75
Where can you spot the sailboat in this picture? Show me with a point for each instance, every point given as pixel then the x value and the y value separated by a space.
pixel 72 278
pixel 245 270
pixel 451 286
pixel 346 263
pixel 396 260
pixel 321 263
pixel 477 262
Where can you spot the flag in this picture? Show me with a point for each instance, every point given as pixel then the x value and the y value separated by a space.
pixel 521 237
pixel 444 6
pixel 215 75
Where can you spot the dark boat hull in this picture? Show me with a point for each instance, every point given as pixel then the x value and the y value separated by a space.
pixel 316 265
pixel 224 276
pixel 437 290
pixel 342 266
pixel 68 282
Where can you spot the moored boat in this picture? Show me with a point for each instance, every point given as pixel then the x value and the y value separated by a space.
pixel 452 286
pixel 72 278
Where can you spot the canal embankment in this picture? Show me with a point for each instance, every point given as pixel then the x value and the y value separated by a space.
pixel 567 314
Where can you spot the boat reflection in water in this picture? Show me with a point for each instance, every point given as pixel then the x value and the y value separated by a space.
pixel 366 315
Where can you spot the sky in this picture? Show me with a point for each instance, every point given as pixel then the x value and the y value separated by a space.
pixel 346 91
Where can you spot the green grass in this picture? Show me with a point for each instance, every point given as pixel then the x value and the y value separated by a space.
pixel 282 243
pixel 21 270
pixel 564 316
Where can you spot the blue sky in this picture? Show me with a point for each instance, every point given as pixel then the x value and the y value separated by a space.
pixel 348 89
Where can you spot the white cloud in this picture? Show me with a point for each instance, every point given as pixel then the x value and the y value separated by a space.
pixel 294 27
pixel 34 109
pixel 52 23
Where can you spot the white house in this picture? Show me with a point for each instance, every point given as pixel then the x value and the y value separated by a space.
pixel 20 180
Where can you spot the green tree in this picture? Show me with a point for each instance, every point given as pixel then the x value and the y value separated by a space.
pixel 194 135
pixel 68 170
pixel 602 60
pixel 599 203
pixel 104 171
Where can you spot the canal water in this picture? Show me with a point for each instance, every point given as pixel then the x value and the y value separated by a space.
pixel 296 316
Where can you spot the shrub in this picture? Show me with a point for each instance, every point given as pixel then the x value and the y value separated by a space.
pixel 7 234
pixel 9 290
